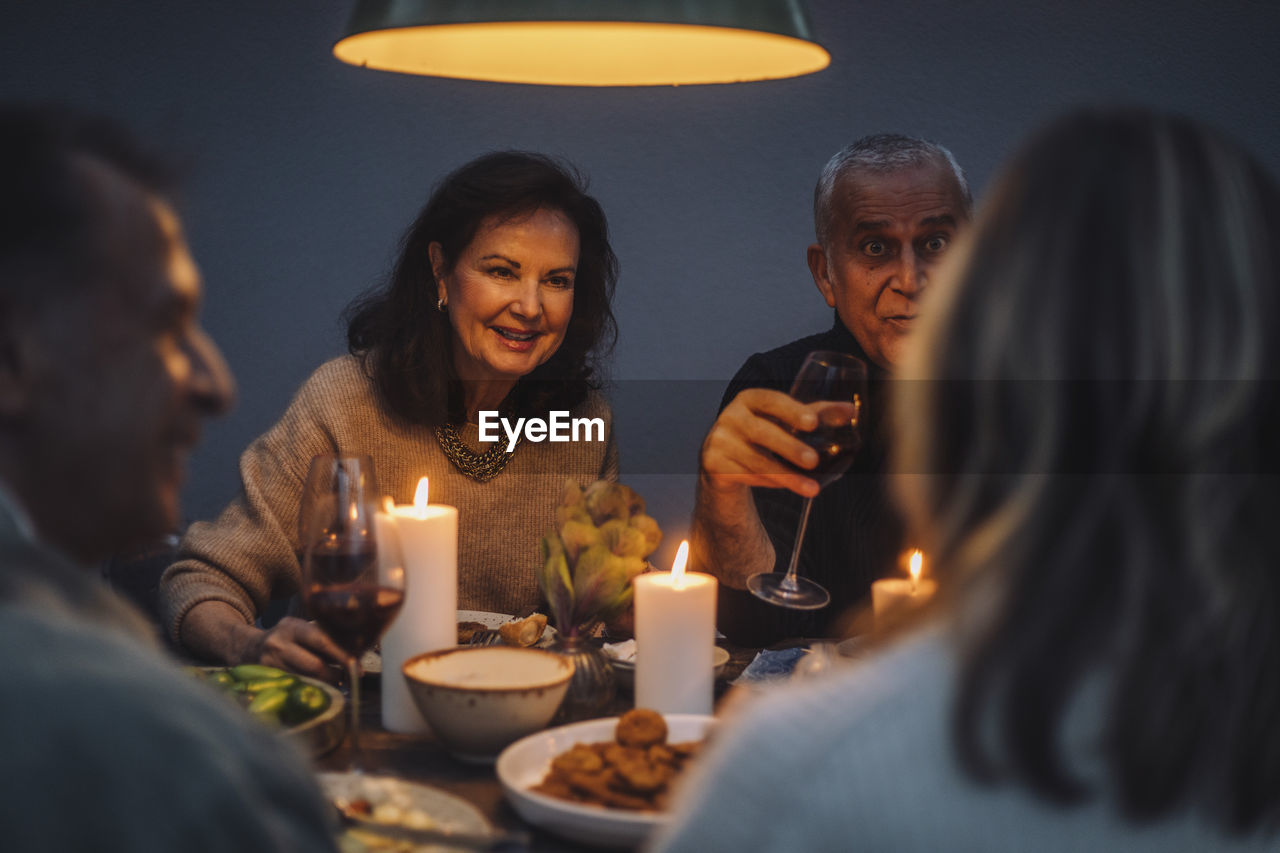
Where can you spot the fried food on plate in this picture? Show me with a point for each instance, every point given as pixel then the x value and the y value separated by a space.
pixel 517 632
pixel 523 632
pixel 641 728
pixel 634 771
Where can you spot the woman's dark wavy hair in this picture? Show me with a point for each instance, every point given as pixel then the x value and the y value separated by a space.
pixel 406 345
pixel 1098 431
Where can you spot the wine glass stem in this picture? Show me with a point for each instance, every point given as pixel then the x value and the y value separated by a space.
pixel 353 678
pixel 789 582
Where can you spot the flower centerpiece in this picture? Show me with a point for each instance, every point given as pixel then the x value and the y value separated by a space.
pixel 601 541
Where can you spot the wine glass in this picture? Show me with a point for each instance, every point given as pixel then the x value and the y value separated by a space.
pixel 342 587
pixel 840 379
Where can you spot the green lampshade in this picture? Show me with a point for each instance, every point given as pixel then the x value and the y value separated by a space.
pixel 585 42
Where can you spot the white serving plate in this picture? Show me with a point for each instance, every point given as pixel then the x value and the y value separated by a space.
pixel 524 764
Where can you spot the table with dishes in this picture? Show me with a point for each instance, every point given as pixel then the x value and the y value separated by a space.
pixel 417 771
pixel 517 732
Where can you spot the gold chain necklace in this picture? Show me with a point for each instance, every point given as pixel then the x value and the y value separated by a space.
pixel 480 467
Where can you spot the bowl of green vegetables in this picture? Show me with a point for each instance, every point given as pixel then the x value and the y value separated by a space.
pixel 303 708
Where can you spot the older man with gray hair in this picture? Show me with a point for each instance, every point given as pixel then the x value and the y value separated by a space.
pixel 886 209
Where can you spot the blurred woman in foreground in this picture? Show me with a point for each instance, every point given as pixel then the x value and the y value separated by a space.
pixel 1090 461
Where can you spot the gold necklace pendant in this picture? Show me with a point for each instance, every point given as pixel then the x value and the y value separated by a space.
pixel 480 467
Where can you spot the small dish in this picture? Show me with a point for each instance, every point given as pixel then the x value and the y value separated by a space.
pixel 625 670
pixel 410 802
pixel 321 733
pixel 524 764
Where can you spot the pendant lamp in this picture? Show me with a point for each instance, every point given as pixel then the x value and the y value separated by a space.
pixel 585 42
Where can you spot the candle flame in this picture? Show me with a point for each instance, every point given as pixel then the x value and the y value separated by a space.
pixel 677 568
pixel 420 499
pixel 917 559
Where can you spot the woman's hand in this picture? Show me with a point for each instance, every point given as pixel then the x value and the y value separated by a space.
pixel 295 645
pixel 216 631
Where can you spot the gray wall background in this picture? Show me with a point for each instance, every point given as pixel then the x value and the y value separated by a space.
pixel 305 171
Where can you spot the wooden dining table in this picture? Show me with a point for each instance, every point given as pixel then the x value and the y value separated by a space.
pixel 422 759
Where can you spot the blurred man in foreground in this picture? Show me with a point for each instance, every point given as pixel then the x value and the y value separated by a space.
pixel 886 209
pixel 105 378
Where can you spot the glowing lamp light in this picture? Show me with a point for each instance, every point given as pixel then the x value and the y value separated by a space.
pixel 585 42
pixel 917 559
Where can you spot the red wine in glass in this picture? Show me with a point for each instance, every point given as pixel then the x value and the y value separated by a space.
pixel 344 592
pixel 836 446
pixel 837 378
pixel 354 615
pixel 332 562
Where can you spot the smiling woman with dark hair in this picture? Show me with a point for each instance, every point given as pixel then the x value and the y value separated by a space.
pixel 497 307
pixel 411 348
pixel 1088 456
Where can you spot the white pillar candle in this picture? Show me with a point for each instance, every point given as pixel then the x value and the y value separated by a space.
pixel 892 595
pixel 427 538
pixel 675 639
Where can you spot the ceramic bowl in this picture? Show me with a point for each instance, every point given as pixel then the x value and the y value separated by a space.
pixel 322 733
pixel 479 699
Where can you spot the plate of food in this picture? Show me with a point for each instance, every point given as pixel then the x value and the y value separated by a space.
pixel 602 782
pixel 303 708
pixel 391 802
pixel 530 631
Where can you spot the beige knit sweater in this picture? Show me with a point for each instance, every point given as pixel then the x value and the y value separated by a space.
pixel 247 556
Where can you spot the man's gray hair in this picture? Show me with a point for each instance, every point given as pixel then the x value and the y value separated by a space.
pixel 878 154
